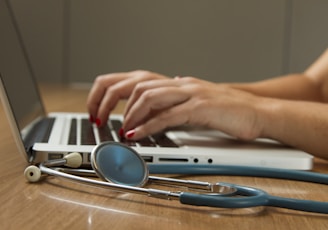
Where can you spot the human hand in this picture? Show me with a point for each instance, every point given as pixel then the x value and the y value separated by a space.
pixel 108 89
pixel 161 103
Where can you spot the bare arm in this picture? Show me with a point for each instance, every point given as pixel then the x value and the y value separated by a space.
pixel 312 85
pixel 298 123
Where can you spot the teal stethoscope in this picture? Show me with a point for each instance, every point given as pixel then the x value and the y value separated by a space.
pixel 122 169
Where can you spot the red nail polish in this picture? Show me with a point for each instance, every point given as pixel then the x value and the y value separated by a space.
pixel 98 122
pixel 121 132
pixel 130 133
pixel 91 119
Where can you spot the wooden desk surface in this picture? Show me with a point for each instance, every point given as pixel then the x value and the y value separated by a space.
pixel 60 204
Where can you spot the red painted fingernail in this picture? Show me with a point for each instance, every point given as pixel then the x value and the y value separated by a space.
pixel 91 119
pixel 121 132
pixel 130 133
pixel 98 122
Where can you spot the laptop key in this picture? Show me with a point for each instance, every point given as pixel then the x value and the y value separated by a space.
pixel 127 142
pixel 105 134
pixel 72 133
pixel 146 142
pixel 160 139
pixel 117 125
pixel 163 141
pixel 87 135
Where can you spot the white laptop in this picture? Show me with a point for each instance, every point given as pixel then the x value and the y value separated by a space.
pixel 42 136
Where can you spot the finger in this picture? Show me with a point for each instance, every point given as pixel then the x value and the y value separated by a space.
pixel 144 86
pixel 175 116
pixel 153 100
pixel 98 91
pixel 108 89
pixel 112 95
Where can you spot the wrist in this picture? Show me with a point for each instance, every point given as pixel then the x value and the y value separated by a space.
pixel 270 117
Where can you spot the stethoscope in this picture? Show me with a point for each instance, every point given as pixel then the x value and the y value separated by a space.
pixel 122 169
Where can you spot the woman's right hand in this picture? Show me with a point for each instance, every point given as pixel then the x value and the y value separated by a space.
pixel 108 89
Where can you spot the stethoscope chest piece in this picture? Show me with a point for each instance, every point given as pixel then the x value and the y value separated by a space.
pixel 116 163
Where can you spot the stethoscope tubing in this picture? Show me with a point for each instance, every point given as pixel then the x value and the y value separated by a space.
pixel 251 197
pixel 296 204
pixel 244 197
pixel 254 197
pixel 232 170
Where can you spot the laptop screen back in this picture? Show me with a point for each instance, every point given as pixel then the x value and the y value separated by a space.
pixel 16 72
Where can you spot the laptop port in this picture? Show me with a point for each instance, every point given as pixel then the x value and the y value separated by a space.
pixel 55 156
pixel 174 159
pixel 147 159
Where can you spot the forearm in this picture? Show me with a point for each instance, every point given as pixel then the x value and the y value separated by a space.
pixel 292 109
pixel 303 125
pixel 293 87
pixel 312 85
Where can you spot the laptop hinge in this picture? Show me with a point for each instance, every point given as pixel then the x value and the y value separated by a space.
pixel 30 153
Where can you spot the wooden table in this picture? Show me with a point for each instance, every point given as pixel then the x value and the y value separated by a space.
pixel 60 204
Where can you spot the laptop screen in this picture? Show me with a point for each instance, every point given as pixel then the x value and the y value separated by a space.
pixel 16 73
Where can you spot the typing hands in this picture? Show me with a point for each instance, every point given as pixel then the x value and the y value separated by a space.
pixel 156 102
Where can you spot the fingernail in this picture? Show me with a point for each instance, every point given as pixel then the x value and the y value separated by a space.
pixel 98 122
pixel 91 119
pixel 121 132
pixel 130 134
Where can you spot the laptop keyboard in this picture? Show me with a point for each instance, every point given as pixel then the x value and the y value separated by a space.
pixel 111 133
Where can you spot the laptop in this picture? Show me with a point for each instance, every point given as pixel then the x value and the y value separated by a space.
pixel 41 136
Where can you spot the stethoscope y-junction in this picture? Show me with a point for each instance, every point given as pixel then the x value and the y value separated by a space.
pixel 122 169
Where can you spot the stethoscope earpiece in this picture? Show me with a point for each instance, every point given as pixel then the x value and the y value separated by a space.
pixel 32 173
pixel 73 160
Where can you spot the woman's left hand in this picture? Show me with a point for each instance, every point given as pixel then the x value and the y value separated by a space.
pixel 158 104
